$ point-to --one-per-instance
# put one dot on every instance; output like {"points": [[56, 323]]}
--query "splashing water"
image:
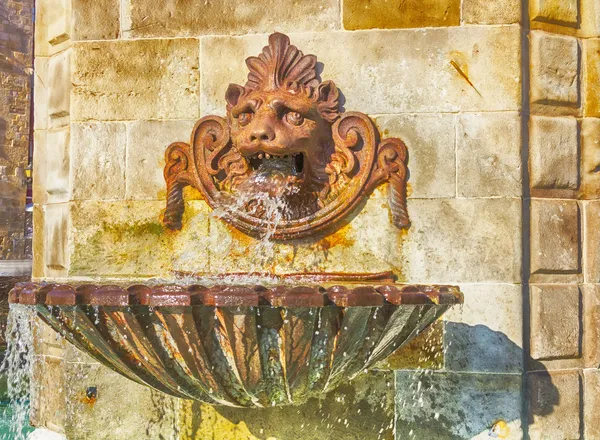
{"points": [[265, 196], [18, 367]]}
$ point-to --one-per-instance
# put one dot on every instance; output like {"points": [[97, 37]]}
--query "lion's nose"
{"points": [[262, 134]]}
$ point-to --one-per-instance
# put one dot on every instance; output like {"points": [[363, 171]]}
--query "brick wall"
{"points": [[16, 37]]}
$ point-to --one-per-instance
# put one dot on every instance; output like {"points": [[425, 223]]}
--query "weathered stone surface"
{"points": [[590, 158], [488, 155], [98, 150], [554, 69], [463, 240], [425, 351], [57, 160], [591, 49], [457, 405], [127, 239], [46, 342], [555, 321], [496, 12], [554, 153], [486, 333], [149, 415], [59, 80], [554, 405], [376, 77], [361, 409], [563, 12], [382, 14], [38, 186], [590, 18], [368, 243], [97, 20], [56, 233], [48, 409], [146, 145], [591, 402], [592, 241], [141, 18], [38, 267], [40, 91], [431, 144], [591, 324], [143, 79], [52, 26], [555, 236]]}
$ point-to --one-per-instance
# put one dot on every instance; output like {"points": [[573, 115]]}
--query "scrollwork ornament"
{"points": [[285, 139]]}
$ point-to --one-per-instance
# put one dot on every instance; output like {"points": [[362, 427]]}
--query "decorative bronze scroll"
{"points": [[285, 139]]}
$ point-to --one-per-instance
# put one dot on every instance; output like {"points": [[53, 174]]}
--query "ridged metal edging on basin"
{"points": [[248, 346]]}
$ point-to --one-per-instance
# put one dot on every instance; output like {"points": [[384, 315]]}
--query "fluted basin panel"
{"points": [[244, 346]]}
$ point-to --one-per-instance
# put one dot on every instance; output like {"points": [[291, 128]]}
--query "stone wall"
{"points": [[117, 81], [16, 37]]}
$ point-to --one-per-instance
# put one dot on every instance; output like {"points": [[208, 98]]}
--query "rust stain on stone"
{"points": [[463, 73]]}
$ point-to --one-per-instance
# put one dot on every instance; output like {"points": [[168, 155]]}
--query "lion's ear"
{"points": [[233, 94], [328, 100]]}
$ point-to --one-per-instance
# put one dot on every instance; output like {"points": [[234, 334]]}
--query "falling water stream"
{"points": [[17, 366]]}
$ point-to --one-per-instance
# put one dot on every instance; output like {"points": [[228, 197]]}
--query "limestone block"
{"points": [[393, 71], [48, 408], [486, 333], [554, 153], [52, 27], [143, 79], [382, 14], [146, 145], [98, 156], [463, 240], [554, 69], [496, 12], [590, 158], [431, 144], [590, 18], [452, 405], [122, 410], [555, 321], [40, 93], [592, 242], [554, 405], [360, 409], [591, 324], [97, 20], [591, 402], [56, 233], [141, 18], [57, 165], [591, 50], [38, 186], [555, 236], [562, 12], [127, 239], [59, 86], [38, 243], [488, 155], [47, 342]]}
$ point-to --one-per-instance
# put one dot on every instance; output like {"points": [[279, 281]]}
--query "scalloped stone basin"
{"points": [[243, 346]]}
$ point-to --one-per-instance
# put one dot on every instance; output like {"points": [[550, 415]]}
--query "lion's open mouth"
{"points": [[292, 163]]}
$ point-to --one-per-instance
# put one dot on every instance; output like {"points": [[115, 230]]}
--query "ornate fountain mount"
{"points": [[285, 139]]}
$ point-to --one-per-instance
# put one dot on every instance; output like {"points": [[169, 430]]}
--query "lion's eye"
{"points": [[244, 118], [294, 118]]}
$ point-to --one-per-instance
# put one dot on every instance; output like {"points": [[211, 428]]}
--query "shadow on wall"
{"points": [[461, 404], [452, 404]]}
